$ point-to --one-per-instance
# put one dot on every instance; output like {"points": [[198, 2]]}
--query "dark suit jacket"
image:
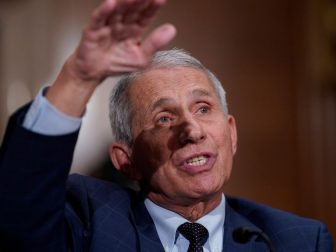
{"points": [[42, 210]]}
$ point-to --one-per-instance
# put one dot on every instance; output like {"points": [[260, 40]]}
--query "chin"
{"points": [[206, 193]]}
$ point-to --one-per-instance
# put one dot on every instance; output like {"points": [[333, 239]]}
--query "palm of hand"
{"points": [[111, 44]]}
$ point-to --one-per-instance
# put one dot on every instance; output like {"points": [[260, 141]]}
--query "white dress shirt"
{"points": [[167, 222], [44, 118]]}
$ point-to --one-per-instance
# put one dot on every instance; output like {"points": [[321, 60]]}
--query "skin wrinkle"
{"points": [[160, 150], [165, 101], [180, 59]]}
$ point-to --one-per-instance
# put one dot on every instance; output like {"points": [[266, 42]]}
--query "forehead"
{"points": [[175, 82]]}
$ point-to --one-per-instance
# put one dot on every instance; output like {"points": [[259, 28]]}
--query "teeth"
{"points": [[200, 160]]}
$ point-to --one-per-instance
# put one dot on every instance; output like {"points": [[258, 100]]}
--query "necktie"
{"points": [[196, 234]]}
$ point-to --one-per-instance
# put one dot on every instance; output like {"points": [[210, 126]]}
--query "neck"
{"points": [[190, 209]]}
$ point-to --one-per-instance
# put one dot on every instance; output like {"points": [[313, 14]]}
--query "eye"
{"points": [[204, 109], [164, 119]]}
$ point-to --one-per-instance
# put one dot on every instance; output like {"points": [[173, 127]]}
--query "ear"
{"points": [[233, 133], [120, 155]]}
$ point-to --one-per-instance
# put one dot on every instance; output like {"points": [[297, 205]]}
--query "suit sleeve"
{"points": [[325, 243], [33, 173]]}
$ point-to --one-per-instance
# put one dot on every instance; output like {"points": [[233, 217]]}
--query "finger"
{"points": [[158, 39], [132, 14], [124, 21], [120, 11], [101, 14], [97, 35], [148, 13]]}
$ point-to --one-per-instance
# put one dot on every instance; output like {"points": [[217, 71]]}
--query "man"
{"points": [[173, 135]]}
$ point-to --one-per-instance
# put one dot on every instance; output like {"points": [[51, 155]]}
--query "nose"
{"points": [[191, 131]]}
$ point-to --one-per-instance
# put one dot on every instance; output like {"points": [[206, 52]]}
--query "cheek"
{"points": [[224, 166], [150, 152], [221, 136], [223, 143], [163, 180]]}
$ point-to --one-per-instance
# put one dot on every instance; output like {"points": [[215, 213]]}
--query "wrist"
{"points": [[70, 93]]}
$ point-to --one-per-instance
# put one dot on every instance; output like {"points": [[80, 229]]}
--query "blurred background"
{"points": [[276, 60]]}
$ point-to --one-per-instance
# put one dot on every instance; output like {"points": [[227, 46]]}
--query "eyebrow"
{"points": [[200, 93], [161, 102], [169, 101]]}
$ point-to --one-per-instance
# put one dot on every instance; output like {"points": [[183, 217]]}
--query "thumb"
{"points": [[158, 39]]}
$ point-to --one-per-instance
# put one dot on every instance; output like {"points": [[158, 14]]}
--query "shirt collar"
{"points": [[167, 222]]}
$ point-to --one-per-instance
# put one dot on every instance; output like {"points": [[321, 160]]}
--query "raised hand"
{"points": [[112, 43]]}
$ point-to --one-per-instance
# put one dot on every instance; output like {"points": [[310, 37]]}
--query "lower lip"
{"points": [[194, 169]]}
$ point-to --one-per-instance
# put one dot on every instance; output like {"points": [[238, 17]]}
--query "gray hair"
{"points": [[120, 105]]}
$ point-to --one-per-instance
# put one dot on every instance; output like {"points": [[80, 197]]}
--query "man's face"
{"points": [[183, 142]]}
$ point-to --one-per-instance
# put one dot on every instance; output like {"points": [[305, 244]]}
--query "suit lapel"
{"points": [[150, 241], [234, 220], [148, 237]]}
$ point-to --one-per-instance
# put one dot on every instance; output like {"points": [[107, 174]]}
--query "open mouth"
{"points": [[197, 161]]}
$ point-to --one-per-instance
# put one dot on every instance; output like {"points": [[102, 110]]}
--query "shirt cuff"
{"points": [[44, 118]]}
